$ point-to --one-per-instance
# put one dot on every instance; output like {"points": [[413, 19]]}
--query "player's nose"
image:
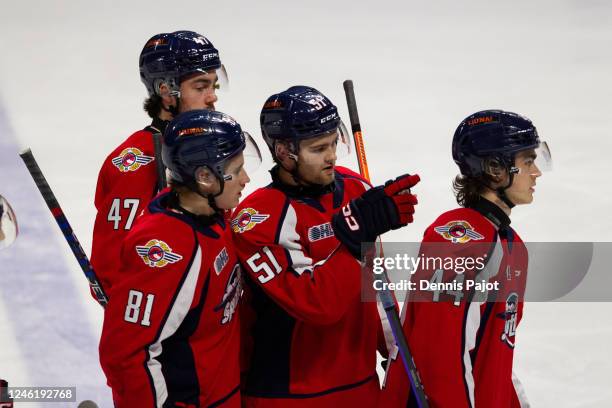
{"points": [[211, 99], [246, 178], [332, 156]]}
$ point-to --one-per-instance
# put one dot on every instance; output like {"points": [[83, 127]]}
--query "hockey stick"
{"points": [[161, 169], [386, 297], [60, 218], [5, 401]]}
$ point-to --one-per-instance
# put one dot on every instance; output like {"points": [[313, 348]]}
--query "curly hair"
{"points": [[467, 190], [153, 106]]}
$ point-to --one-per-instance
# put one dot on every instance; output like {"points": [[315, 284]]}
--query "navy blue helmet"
{"points": [[171, 57], [204, 138], [299, 113], [492, 135]]}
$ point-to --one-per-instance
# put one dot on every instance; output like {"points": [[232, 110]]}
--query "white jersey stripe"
{"points": [[177, 314], [472, 323], [520, 392], [290, 240], [471, 329]]}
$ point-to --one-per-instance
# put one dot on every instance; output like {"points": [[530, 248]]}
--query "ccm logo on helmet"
{"points": [[350, 220], [210, 56], [329, 117]]}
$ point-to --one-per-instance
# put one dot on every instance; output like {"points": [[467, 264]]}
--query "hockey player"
{"points": [[8, 224], [462, 334], [181, 71], [309, 340], [171, 335]]}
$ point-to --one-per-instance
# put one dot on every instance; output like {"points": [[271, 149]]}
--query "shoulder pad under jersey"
{"points": [[351, 175], [259, 210], [460, 226]]}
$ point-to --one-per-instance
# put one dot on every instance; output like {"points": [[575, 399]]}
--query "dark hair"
{"points": [[153, 106], [467, 190]]}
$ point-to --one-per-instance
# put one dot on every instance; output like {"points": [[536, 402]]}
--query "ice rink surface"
{"points": [[70, 90]]}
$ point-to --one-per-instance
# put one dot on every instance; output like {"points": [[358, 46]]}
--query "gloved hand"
{"points": [[376, 211]]}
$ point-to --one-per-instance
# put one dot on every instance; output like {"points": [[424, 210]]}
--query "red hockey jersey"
{"points": [[310, 340], [462, 339], [126, 183], [170, 336]]}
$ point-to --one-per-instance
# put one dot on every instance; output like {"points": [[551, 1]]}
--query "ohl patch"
{"points": [[157, 254], [131, 159], [247, 219], [319, 232], [458, 232], [221, 260]]}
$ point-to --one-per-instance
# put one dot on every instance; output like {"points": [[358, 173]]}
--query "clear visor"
{"points": [[544, 158], [252, 158], [343, 148], [219, 83], [222, 84], [534, 161], [8, 224]]}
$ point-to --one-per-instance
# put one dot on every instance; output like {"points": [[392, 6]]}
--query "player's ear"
{"points": [[205, 178], [284, 154], [495, 170], [164, 93]]}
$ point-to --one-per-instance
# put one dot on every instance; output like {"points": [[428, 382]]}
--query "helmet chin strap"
{"points": [[296, 175], [501, 191], [295, 172], [173, 110], [300, 181], [209, 197]]}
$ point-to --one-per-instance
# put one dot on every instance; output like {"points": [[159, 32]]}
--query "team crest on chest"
{"points": [[319, 232], [131, 159], [458, 232], [157, 254], [247, 219]]}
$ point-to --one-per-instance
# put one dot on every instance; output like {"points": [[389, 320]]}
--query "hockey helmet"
{"points": [[172, 57], [206, 138], [495, 136], [300, 113]]}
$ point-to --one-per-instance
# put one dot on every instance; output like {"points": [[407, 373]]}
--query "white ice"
{"points": [[70, 88]]}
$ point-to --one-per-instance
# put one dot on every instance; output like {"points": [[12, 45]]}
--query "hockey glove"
{"points": [[375, 212]]}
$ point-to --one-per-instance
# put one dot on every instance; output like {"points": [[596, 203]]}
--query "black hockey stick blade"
{"points": [[362, 161], [62, 222], [386, 297]]}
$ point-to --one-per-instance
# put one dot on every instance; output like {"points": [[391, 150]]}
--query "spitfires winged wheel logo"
{"points": [[157, 254], [247, 219], [131, 159], [458, 232]]}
